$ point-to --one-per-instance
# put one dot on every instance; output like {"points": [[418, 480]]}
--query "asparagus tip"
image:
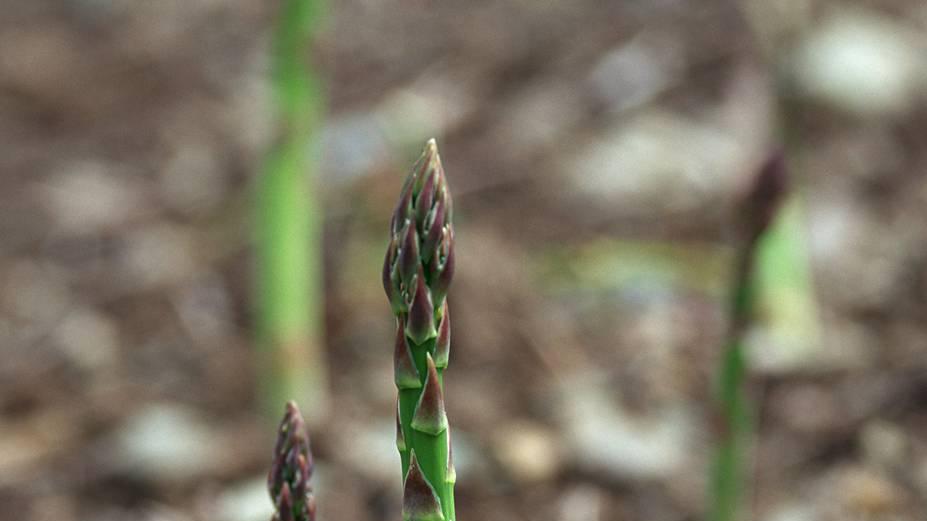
{"points": [[288, 479], [764, 195]]}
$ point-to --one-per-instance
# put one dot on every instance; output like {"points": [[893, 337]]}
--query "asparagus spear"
{"points": [[417, 271], [756, 210], [288, 480]]}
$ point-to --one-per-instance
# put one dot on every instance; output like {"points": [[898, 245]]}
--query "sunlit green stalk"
{"points": [[289, 222]]}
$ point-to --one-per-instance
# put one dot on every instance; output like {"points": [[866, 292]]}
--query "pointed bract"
{"points": [[434, 227], [403, 210], [420, 323], [409, 258], [426, 165], [429, 416], [444, 195], [406, 375], [419, 500], [443, 342], [443, 270], [425, 199], [400, 438], [387, 274], [285, 504]]}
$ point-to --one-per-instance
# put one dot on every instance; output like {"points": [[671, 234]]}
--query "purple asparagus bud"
{"points": [[421, 239], [288, 479], [758, 204]]}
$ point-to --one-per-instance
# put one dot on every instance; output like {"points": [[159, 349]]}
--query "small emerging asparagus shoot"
{"points": [[288, 479], [417, 271], [756, 210]]}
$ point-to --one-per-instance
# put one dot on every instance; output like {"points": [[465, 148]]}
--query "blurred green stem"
{"points": [[728, 474], [289, 253], [779, 250]]}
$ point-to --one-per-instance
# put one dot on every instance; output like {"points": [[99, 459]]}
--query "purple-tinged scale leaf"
{"points": [[285, 504], [409, 259], [401, 299], [405, 374], [419, 500], [429, 416], [443, 342], [403, 211], [434, 227], [420, 323], [425, 200], [444, 195], [442, 270], [388, 268], [301, 480], [400, 438], [428, 162]]}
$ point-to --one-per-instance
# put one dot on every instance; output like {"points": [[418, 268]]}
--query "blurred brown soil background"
{"points": [[572, 132]]}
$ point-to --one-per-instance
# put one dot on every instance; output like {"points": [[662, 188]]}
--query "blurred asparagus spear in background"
{"points": [[288, 480], [417, 271], [289, 247], [755, 212]]}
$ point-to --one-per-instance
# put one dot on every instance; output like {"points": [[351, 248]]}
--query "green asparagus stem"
{"points": [[417, 271], [756, 211], [288, 479], [289, 225]]}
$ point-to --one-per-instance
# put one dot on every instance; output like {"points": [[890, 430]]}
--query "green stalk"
{"points": [[289, 225], [417, 271], [728, 473]]}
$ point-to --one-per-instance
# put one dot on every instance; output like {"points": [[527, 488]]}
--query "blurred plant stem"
{"points": [[757, 210], [289, 247], [728, 474], [772, 273]]}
